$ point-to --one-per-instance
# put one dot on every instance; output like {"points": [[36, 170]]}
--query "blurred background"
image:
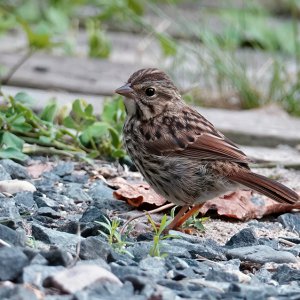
{"points": [[230, 54]]}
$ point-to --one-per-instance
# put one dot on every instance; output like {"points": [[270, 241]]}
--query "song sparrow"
{"points": [[181, 154]]}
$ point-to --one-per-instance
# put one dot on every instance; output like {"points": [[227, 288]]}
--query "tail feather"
{"points": [[267, 187]]}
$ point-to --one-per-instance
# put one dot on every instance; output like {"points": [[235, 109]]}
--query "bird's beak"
{"points": [[124, 90]]}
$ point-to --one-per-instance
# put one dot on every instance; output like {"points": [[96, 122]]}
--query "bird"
{"points": [[182, 156]]}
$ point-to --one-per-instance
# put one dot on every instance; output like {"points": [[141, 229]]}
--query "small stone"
{"points": [[48, 212], [263, 275], [181, 274], [43, 201], [89, 222], [63, 169], [250, 292], [123, 271], [100, 262], [56, 238], [122, 259], [102, 196], [93, 248], [173, 262], [11, 236], [8, 211], [12, 262], [284, 274], [39, 259], [15, 170], [261, 254], [79, 277], [18, 292], [173, 250], [16, 186], [207, 248], [218, 275], [154, 266], [35, 274], [3, 174], [25, 202], [76, 193], [70, 227], [108, 291], [245, 237], [290, 221], [76, 178], [140, 250], [58, 257]]}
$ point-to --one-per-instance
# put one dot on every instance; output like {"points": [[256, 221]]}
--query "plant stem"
{"points": [[12, 71], [33, 149]]}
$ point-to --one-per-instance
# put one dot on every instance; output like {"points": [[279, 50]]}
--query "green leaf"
{"points": [[99, 45], [45, 139], [78, 108], [24, 98], [118, 153], [10, 140], [70, 123], [163, 224], [115, 137], [49, 112], [39, 37], [12, 153], [89, 110], [136, 5], [96, 130], [58, 19], [21, 127]]}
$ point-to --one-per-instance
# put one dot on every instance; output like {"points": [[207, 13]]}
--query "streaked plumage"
{"points": [[181, 154]]}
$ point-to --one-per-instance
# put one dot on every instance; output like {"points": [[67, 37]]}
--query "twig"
{"points": [[156, 210], [4, 243], [286, 242], [12, 71]]}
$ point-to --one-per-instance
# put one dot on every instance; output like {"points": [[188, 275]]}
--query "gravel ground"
{"points": [[50, 246]]}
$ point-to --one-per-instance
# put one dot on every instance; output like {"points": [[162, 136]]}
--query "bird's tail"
{"points": [[266, 186]]}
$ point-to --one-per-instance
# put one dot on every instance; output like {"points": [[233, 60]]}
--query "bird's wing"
{"points": [[192, 136]]}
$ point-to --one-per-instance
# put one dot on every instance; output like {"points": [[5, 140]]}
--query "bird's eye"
{"points": [[150, 92]]}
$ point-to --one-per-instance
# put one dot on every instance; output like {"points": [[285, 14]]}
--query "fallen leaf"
{"points": [[242, 205], [135, 194], [36, 170]]}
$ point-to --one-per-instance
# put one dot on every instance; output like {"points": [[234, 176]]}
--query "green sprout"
{"points": [[159, 236], [113, 236]]}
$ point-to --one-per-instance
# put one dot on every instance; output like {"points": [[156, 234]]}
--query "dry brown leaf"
{"points": [[135, 194], [36, 170], [241, 205]]}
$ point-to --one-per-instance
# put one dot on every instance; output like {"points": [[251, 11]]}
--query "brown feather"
{"points": [[266, 186], [207, 143]]}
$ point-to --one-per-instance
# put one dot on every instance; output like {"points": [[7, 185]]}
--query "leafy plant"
{"points": [[194, 222], [81, 133], [31, 242], [114, 237], [159, 236]]}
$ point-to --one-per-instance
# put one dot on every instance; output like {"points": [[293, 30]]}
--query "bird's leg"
{"points": [[177, 218], [192, 211]]}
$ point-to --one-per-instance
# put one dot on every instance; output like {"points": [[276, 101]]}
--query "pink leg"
{"points": [[177, 218], [192, 211]]}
